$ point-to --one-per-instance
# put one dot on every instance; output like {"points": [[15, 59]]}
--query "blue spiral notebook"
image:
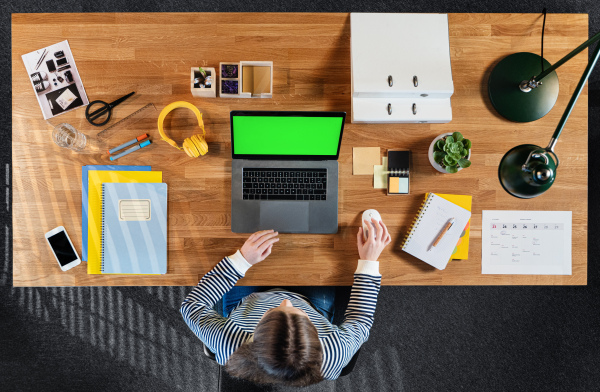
{"points": [[84, 197], [134, 228]]}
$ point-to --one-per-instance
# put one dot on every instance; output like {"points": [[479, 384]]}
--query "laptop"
{"points": [[284, 173]]}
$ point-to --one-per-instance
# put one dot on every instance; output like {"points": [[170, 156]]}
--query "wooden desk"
{"points": [[152, 55]]}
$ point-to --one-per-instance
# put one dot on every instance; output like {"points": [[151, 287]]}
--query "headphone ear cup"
{"points": [[195, 146]]}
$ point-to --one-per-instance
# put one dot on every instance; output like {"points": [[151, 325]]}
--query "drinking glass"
{"points": [[65, 135]]}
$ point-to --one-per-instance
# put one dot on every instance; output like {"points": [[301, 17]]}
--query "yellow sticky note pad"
{"points": [[380, 175], [363, 160], [393, 184]]}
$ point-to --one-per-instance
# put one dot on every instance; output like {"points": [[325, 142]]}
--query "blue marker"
{"points": [[127, 144], [130, 150]]}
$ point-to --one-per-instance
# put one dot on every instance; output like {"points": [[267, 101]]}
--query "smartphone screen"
{"points": [[62, 248], [60, 62], [50, 64]]}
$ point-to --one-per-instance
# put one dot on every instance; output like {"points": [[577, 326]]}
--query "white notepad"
{"points": [[434, 214]]}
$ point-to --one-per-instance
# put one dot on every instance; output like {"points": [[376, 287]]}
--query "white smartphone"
{"points": [[63, 248]]}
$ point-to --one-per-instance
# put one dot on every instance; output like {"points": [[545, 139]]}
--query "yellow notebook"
{"points": [[462, 248], [433, 216], [96, 178]]}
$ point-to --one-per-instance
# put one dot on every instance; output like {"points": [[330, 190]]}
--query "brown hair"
{"points": [[286, 350]]}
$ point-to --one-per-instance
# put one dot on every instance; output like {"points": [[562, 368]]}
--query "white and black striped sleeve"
{"points": [[363, 300], [197, 310], [358, 319]]}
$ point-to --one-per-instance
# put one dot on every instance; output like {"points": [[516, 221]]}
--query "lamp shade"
{"points": [[513, 103], [527, 171]]}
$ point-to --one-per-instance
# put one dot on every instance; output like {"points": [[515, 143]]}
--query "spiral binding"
{"points": [[417, 219], [398, 172], [103, 234]]}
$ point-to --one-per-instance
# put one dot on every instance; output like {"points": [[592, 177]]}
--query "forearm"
{"points": [[196, 309], [363, 300], [218, 281]]}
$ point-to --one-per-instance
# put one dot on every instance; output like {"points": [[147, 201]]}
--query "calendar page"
{"points": [[526, 242]]}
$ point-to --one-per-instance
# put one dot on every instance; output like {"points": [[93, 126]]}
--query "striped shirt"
{"points": [[224, 335]]}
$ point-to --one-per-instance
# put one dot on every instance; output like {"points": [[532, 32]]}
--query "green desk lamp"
{"points": [[515, 85], [527, 171]]}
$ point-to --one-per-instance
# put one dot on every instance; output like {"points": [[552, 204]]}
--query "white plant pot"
{"points": [[436, 165]]}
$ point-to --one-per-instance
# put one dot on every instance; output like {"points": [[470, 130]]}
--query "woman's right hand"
{"points": [[378, 239], [258, 246]]}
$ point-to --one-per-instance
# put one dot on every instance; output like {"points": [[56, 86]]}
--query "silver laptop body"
{"points": [[299, 192]]}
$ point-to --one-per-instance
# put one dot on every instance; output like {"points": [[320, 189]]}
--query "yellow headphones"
{"points": [[193, 146]]}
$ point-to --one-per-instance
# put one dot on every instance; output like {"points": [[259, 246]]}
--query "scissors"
{"points": [[104, 109]]}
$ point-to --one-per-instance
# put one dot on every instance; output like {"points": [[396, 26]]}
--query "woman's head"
{"points": [[286, 349]]}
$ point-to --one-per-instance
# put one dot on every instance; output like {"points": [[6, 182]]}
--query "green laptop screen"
{"points": [[282, 135]]}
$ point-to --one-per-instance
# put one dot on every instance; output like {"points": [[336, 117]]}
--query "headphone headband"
{"points": [[194, 146]]}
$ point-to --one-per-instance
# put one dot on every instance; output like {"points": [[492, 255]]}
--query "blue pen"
{"points": [[127, 144], [130, 150]]}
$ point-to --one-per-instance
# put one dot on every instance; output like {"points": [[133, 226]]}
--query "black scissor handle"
{"points": [[91, 117]]}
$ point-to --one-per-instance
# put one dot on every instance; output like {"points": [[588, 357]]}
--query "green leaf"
{"points": [[451, 169], [457, 136], [449, 139], [438, 156], [456, 148], [464, 163], [464, 152], [467, 144], [449, 160], [439, 145]]}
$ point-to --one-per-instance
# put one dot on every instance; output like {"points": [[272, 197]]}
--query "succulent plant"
{"points": [[451, 152]]}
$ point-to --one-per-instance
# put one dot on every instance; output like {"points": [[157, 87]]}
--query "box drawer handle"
{"points": [[390, 81], [415, 81], [414, 108], [390, 109]]}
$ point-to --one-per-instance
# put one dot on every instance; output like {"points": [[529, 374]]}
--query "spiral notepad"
{"points": [[134, 228], [434, 214], [398, 172]]}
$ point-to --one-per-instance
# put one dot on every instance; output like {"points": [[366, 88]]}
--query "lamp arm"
{"points": [[578, 89], [568, 57]]}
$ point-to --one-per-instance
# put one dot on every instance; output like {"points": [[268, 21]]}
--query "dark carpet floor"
{"points": [[424, 338]]}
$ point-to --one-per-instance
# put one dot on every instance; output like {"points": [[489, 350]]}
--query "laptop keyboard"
{"points": [[285, 184]]}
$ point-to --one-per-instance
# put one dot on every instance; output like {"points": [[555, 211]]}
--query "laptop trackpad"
{"points": [[285, 216]]}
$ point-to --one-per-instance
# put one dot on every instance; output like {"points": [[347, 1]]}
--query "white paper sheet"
{"points": [[526, 242]]}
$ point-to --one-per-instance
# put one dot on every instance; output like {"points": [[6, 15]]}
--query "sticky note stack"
{"points": [[398, 164]]}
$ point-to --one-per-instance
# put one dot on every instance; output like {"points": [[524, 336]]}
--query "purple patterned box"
{"points": [[229, 71], [229, 86]]}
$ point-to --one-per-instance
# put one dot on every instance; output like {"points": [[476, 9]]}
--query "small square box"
{"points": [[209, 82], [246, 79]]}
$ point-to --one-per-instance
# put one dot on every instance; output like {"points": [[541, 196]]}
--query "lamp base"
{"points": [[515, 180], [509, 100]]}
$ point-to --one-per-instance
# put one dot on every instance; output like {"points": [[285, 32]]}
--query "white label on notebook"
{"points": [[134, 209]]}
